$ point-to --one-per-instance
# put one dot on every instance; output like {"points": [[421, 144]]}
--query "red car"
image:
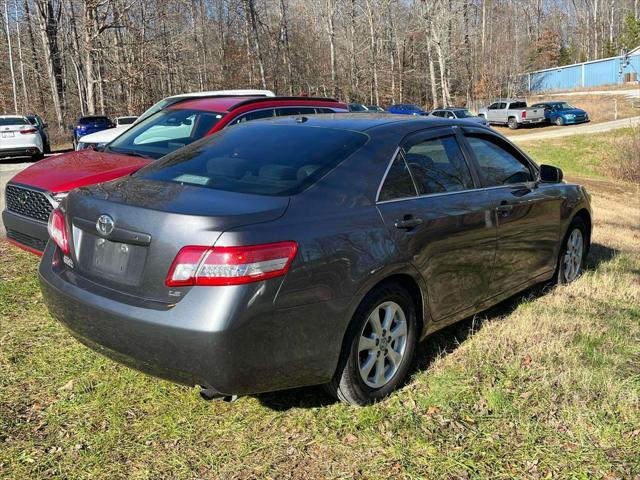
{"points": [[32, 194]]}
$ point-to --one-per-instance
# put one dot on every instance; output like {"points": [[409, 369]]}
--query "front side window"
{"points": [[494, 106], [438, 166], [398, 183], [164, 132], [259, 158], [497, 165]]}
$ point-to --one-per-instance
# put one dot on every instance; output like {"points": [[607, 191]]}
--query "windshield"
{"points": [[258, 158], [463, 114], [164, 132], [562, 106], [12, 121]]}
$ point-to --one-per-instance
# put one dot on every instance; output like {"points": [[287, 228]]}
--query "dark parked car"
{"points": [[407, 109], [307, 250], [41, 125], [375, 108], [561, 113], [90, 124]]}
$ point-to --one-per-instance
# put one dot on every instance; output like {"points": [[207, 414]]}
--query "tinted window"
{"points": [[494, 106], [398, 183], [259, 158], [92, 120], [257, 115], [518, 105], [497, 165], [438, 166], [324, 110], [164, 132], [284, 111], [437, 113]]}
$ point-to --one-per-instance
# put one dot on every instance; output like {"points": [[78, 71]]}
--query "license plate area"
{"points": [[111, 258], [109, 262], [8, 134]]}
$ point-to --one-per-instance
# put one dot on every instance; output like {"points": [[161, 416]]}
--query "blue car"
{"points": [[407, 109], [561, 113], [90, 124]]}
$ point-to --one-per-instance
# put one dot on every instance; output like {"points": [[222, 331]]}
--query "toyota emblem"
{"points": [[104, 225], [23, 198]]}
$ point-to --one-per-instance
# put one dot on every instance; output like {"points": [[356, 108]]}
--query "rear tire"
{"points": [[512, 123], [378, 348], [573, 250]]}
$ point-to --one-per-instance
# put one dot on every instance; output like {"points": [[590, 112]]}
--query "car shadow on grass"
{"points": [[438, 344]]}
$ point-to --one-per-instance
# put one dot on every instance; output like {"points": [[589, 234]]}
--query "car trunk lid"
{"points": [[125, 234]]}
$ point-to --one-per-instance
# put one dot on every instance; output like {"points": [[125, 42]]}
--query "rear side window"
{"points": [[497, 165], [438, 166], [284, 111], [324, 110], [518, 105], [398, 183], [258, 158], [257, 115]]}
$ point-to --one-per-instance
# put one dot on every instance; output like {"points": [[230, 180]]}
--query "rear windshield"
{"points": [[6, 121], [518, 105], [258, 158], [86, 120]]}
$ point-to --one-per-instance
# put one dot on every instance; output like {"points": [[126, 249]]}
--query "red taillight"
{"points": [[230, 265], [58, 230], [28, 130], [524, 114]]}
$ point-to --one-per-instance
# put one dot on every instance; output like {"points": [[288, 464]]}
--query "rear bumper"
{"points": [[26, 151], [231, 339], [25, 232], [533, 121]]}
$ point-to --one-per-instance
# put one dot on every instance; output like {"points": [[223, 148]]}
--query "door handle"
{"points": [[408, 223]]}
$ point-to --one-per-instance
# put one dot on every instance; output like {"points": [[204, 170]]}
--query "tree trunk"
{"points": [[13, 76], [48, 22]]}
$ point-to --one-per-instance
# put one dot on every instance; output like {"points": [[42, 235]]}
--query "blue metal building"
{"points": [[606, 71]]}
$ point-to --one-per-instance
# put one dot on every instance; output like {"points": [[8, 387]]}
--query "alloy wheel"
{"points": [[572, 260], [382, 344]]}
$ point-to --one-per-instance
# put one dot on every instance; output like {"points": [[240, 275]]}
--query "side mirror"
{"points": [[550, 174], [45, 125]]}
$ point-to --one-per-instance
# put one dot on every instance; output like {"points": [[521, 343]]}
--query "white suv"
{"points": [[19, 138]]}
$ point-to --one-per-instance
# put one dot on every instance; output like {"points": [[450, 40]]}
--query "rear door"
{"points": [[440, 221], [527, 215]]}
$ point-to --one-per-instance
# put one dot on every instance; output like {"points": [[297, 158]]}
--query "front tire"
{"points": [[512, 123], [573, 252], [378, 347], [559, 121]]}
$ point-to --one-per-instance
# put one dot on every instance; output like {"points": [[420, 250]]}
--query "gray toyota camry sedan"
{"points": [[308, 250]]}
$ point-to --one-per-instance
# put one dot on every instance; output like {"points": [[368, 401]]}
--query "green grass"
{"points": [[583, 155], [546, 385]]}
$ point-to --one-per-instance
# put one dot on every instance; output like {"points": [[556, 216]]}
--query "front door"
{"points": [[527, 214], [440, 221]]}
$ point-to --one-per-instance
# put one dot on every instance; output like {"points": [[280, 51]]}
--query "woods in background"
{"points": [[64, 58]]}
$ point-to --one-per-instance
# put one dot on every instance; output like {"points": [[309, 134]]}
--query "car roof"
{"points": [[362, 122], [227, 104]]}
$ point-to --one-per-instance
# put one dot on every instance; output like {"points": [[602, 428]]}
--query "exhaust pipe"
{"points": [[210, 394]]}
